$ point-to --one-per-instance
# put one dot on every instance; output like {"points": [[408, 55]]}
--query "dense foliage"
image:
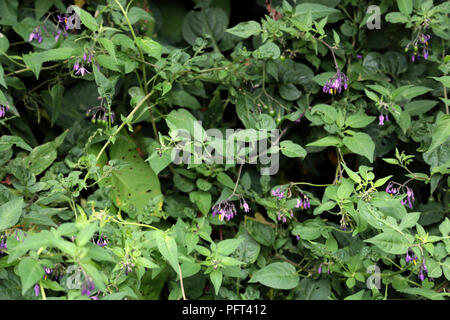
{"points": [[93, 99]]}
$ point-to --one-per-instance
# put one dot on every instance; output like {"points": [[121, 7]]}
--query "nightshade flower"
{"points": [[423, 271], [87, 290], [225, 210], [278, 193], [319, 271], [303, 202], [102, 241], [381, 120], [420, 41], [3, 245], [36, 34], [82, 70], [358, 56], [401, 189], [36, 290], [3, 110], [410, 256], [245, 206], [336, 83]]}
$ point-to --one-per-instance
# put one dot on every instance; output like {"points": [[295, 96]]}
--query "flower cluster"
{"points": [[87, 288], [393, 190], [278, 193], [225, 209], [80, 63], [127, 266], [102, 241], [423, 271], [36, 34], [382, 118], [99, 114], [410, 256], [421, 40], [3, 244], [303, 202], [336, 83]]}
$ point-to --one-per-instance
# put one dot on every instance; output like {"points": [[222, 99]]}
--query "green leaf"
{"points": [[324, 207], [371, 95], [86, 18], [41, 157], [209, 21], [360, 143], [135, 185], [345, 189], [262, 233], [310, 229], [225, 179], [425, 292], [289, 92], [396, 17], [292, 150], [317, 11], [202, 199], [418, 107], [150, 47], [391, 242], [441, 132], [10, 213], [277, 275], [96, 276], [86, 233], [56, 93], [216, 279], [326, 142], [168, 248], [35, 60], [409, 92], [268, 50], [30, 272], [226, 247], [135, 14], [183, 99], [6, 142], [405, 6], [445, 80], [359, 120], [245, 29]]}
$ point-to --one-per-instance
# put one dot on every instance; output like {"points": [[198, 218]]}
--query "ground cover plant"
{"points": [[216, 149]]}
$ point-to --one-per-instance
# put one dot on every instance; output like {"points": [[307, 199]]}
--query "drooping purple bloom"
{"points": [[36, 34], [245, 206], [297, 237], [87, 288], [3, 110], [413, 57], [358, 56], [225, 210], [319, 270], [36, 290], [425, 53], [336, 83], [3, 245], [48, 270], [381, 120], [278, 193], [82, 70]]}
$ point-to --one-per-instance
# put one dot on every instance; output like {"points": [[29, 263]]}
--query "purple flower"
{"points": [[48, 270], [245, 206], [303, 203], [82, 70], [358, 56], [3, 244], [381, 120], [336, 83], [94, 298], [297, 237], [36, 34], [425, 53], [409, 197], [87, 290], [328, 270], [413, 57], [36, 290], [299, 203], [319, 271], [225, 210], [421, 276], [3, 110], [278, 193], [76, 66], [84, 56]]}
